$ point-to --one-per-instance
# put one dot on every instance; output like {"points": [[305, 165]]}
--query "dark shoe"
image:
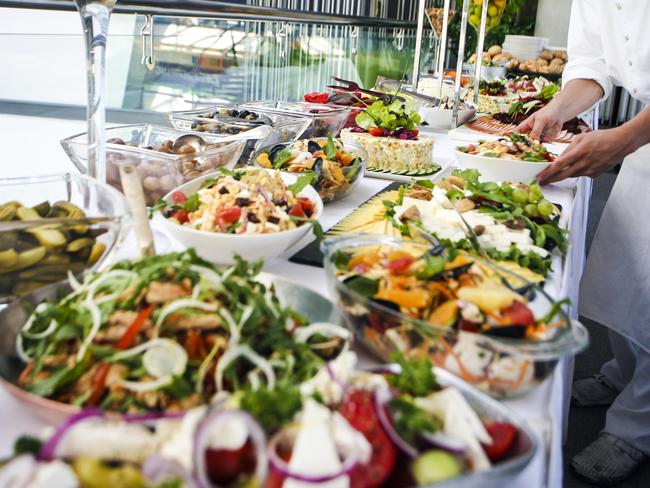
{"points": [[592, 392], [607, 461]]}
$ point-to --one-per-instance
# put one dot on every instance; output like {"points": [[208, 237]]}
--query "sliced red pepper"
{"points": [[228, 215], [297, 211], [400, 265], [129, 336], [194, 345], [181, 215], [99, 383], [376, 131], [179, 198]]}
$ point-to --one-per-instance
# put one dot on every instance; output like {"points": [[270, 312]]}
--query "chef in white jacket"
{"points": [[609, 44]]}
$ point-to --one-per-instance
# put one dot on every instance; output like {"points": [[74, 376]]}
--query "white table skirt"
{"points": [[545, 407]]}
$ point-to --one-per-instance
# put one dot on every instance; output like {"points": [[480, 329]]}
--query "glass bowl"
{"points": [[495, 12], [323, 119], [332, 182], [499, 365], [160, 172], [52, 225], [227, 120]]}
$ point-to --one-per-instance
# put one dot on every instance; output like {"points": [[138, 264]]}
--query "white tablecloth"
{"points": [[544, 408]]}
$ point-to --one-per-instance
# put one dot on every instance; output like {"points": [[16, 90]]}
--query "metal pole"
{"points": [[443, 46], [415, 77], [459, 64], [479, 51]]}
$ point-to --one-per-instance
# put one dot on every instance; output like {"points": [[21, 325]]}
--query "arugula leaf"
{"points": [[159, 205], [316, 228], [301, 183], [434, 265], [57, 380], [330, 148], [272, 408], [341, 260], [192, 203], [362, 285], [179, 387], [282, 157], [425, 183], [555, 308], [390, 116], [470, 175], [416, 378]]}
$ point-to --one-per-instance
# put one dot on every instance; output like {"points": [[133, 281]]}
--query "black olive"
{"points": [[243, 114], [273, 219], [280, 203], [313, 146], [253, 218], [242, 202], [216, 130], [234, 113], [223, 190]]}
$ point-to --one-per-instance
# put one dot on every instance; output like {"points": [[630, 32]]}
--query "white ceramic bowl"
{"points": [[440, 118], [220, 248], [497, 169]]}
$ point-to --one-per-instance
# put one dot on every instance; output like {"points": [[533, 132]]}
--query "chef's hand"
{"points": [[544, 125], [590, 154]]}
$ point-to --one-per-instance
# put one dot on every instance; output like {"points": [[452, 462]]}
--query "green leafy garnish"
{"points": [[411, 421], [27, 445], [416, 378], [330, 148], [362, 285], [282, 157], [393, 116], [56, 380], [301, 183], [272, 408], [433, 265]]}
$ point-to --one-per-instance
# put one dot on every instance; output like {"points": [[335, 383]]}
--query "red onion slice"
{"points": [[202, 438], [157, 469], [349, 463], [48, 451], [382, 397], [444, 442]]}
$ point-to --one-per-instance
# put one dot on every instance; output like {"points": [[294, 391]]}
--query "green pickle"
{"points": [[43, 253]]}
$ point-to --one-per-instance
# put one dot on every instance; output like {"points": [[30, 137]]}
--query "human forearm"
{"points": [[576, 97], [636, 132]]}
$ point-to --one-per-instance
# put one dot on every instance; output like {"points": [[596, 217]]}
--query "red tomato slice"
{"points": [[225, 466], [358, 408], [503, 438], [297, 211], [376, 131], [317, 97], [179, 198], [519, 314], [307, 204], [228, 215], [181, 215], [400, 265], [415, 131]]}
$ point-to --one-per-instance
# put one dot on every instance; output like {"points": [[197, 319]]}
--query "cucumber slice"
{"points": [[435, 466]]}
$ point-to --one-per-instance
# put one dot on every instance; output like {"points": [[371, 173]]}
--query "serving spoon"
{"points": [[200, 145]]}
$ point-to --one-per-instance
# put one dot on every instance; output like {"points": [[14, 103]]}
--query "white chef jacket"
{"points": [[609, 42]]}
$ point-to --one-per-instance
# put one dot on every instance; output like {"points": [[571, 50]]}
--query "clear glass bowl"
{"points": [[501, 366], [212, 119], [329, 188], [495, 12], [324, 119], [160, 172], [39, 246]]}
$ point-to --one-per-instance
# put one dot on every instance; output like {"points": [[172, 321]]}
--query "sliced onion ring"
{"points": [[349, 463], [202, 438], [382, 397], [48, 450]]}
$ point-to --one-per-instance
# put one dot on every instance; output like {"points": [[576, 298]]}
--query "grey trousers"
{"points": [[629, 372]]}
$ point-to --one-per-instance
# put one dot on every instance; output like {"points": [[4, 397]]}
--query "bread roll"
{"points": [[494, 50], [546, 55]]}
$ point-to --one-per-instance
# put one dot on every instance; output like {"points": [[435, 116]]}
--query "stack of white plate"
{"points": [[524, 47]]}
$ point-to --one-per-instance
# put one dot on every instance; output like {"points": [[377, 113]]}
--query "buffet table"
{"points": [[545, 408]]}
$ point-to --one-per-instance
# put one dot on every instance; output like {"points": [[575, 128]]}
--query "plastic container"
{"points": [[323, 119], [501, 366], [40, 246], [331, 185], [160, 171]]}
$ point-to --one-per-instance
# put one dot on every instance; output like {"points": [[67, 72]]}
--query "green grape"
{"points": [[536, 190], [545, 208], [520, 196], [533, 198], [531, 210]]}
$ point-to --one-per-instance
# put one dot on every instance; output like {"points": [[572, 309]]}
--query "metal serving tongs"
{"points": [[426, 100], [351, 86]]}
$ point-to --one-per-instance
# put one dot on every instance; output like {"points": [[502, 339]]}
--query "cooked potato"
{"points": [[494, 50], [560, 54], [556, 62], [507, 55], [542, 62], [546, 55], [499, 58]]}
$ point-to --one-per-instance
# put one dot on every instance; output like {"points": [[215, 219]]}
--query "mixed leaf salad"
{"points": [[526, 106], [342, 428], [393, 119], [252, 201], [456, 309], [333, 165], [168, 333], [515, 146], [506, 221]]}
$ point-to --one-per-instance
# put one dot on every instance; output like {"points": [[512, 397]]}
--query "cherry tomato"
{"points": [[503, 438], [519, 314], [181, 215], [415, 132], [179, 198], [228, 215], [225, 466], [376, 131], [400, 265], [297, 211], [358, 408], [317, 97]]}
